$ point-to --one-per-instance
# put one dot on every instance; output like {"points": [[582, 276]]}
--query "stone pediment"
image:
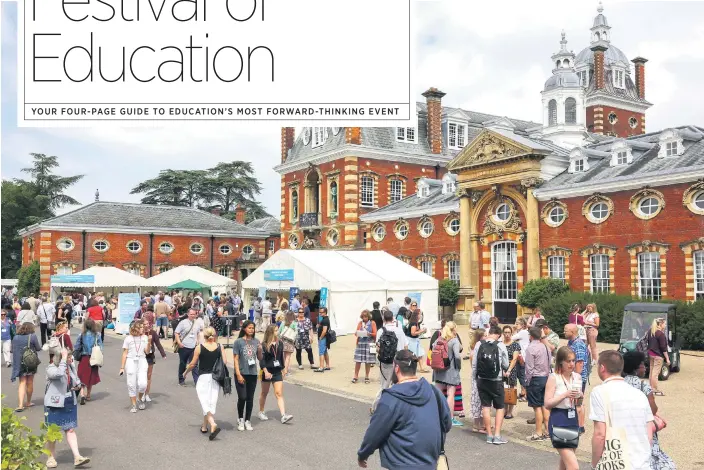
{"points": [[488, 147]]}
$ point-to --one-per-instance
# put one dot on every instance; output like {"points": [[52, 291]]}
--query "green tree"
{"points": [[21, 449], [22, 206], [448, 293], [49, 184], [175, 188], [29, 279], [234, 183], [537, 290]]}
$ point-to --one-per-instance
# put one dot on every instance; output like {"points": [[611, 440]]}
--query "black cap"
{"points": [[540, 323]]}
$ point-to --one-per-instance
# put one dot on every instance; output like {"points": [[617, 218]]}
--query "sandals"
{"points": [[367, 381], [204, 431], [19, 410], [355, 380], [658, 393], [535, 438], [214, 433], [508, 417]]}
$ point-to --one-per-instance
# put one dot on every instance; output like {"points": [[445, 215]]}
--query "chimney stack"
{"points": [[599, 49], [433, 98], [239, 214], [288, 137], [640, 75], [353, 135]]}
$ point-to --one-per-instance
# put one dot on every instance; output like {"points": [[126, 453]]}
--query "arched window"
{"points": [[558, 63], [571, 111], [294, 205], [333, 197], [552, 113], [566, 63], [597, 36]]}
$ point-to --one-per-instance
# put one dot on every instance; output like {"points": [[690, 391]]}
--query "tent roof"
{"points": [[105, 276], [349, 271], [189, 284], [185, 273]]}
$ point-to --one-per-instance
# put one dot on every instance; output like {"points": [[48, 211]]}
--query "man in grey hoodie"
{"points": [[410, 421]]}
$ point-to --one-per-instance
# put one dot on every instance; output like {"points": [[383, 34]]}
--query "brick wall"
{"points": [[674, 225], [598, 121]]}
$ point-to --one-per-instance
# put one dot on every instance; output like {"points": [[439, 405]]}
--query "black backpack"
{"points": [[488, 361], [388, 342], [331, 336]]}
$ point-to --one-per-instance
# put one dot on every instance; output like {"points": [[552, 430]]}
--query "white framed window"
{"points": [[135, 271], [453, 270], [570, 111], [426, 228], [366, 190], [64, 270], [633, 122], [166, 247], [456, 135], [196, 248], [698, 200], [556, 267], [453, 227], [293, 241], [622, 158], [378, 232], [649, 206], [163, 268], [649, 280], [599, 211], [319, 136], [406, 134], [396, 192], [225, 249], [671, 149], [579, 165], [424, 190], [503, 269], [613, 119], [599, 269], [101, 246], [618, 78], [133, 246], [65, 244], [583, 77], [552, 113], [556, 215], [272, 246], [248, 250], [699, 274], [503, 212], [225, 271], [427, 267], [401, 230]]}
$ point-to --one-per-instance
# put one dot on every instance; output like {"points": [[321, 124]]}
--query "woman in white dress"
{"points": [[205, 356], [134, 364]]}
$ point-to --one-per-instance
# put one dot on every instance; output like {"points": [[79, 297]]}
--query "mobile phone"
{"points": [[122, 372]]}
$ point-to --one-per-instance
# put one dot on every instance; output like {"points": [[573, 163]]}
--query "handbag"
{"points": [[96, 354], [565, 437], [510, 395], [289, 335], [78, 349]]}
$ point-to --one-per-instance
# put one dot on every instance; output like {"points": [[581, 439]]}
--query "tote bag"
{"points": [[96, 355], [616, 449]]}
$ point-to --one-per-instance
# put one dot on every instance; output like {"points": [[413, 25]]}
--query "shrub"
{"points": [[690, 324], [28, 280], [20, 448], [448, 293], [538, 290]]}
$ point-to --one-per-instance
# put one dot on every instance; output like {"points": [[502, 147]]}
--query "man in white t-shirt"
{"points": [[387, 370], [629, 410], [267, 313]]}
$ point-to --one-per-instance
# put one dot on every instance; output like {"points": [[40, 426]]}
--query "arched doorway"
{"points": [[312, 192], [504, 279]]}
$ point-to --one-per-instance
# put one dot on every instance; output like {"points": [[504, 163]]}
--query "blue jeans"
{"points": [[322, 347], [185, 355]]}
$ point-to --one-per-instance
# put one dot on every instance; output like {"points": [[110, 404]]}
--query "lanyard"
{"points": [[568, 388], [275, 347], [136, 348]]}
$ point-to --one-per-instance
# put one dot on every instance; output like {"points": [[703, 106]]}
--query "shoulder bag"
{"points": [[289, 334], [616, 438], [221, 374], [96, 354], [175, 345], [443, 463], [78, 349]]}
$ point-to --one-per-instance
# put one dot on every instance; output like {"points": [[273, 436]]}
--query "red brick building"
{"points": [[147, 240]]}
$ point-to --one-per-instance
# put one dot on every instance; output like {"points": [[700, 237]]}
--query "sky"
{"points": [[490, 57]]}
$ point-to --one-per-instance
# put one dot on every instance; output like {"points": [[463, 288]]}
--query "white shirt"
{"points": [[475, 320], [629, 410], [135, 346], [523, 338], [46, 312], [402, 340], [266, 306], [562, 385]]}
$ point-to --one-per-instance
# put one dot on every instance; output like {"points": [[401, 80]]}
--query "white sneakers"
{"points": [[133, 409], [263, 416], [51, 462], [147, 398], [240, 424], [248, 426], [141, 405], [286, 418]]}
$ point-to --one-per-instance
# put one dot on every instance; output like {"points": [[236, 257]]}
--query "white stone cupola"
{"points": [[564, 101], [601, 29]]}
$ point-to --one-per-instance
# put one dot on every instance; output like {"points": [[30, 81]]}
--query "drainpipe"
{"points": [[437, 170], [212, 252], [83, 250], [151, 253]]}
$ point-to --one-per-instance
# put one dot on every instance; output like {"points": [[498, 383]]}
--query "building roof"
{"points": [[645, 164], [630, 92], [145, 218], [269, 224], [415, 206]]}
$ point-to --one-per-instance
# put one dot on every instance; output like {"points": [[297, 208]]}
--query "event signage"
{"points": [[73, 279], [415, 297], [127, 306], [278, 274], [291, 294], [324, 297]]}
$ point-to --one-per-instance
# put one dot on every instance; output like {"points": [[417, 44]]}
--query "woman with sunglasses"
{"points": [[304, 328]]}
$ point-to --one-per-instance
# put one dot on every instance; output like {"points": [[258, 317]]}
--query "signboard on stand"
{"points": [[324, 297], [291, 294], [127, 305], [278, 274]]}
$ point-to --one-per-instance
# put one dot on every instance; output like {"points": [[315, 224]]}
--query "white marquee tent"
{"points": [[354, 279], [195, 273], [105, 276]]}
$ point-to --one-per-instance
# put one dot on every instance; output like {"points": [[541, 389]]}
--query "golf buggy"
{"points": [[637, 319]]}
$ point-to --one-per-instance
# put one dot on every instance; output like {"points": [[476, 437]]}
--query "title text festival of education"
{"points": [[194, 60]]}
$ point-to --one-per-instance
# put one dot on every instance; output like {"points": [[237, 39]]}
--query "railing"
{"points": [[309, 219]]}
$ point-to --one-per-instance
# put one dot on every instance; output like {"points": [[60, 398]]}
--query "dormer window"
{"points": [[456, 135], [579, 165], [621, 153], [583, 77], [319, 136], [618, 78], [670, 144], [670, 149], [423, 188], [621, 158], [448, 183], [406, 134]]}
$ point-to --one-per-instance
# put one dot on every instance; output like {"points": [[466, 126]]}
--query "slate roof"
{"points": [[629, 93], [413, 203], [270, 225], [147, 218], [645, 161]]}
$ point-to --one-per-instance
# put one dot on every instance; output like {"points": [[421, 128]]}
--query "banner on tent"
{"points": [[415, 296], [262, 292], [127, 305], [324, 297], [73, 279], [291, 294], [278, 274]]}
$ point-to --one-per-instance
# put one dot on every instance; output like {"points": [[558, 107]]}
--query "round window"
{"points": [[454, 226], [65, 244], [293, 241], [100, 245], [379, 233], [166, 248], [134, 246], [649, 206], [633, 122], [402, 231], [248, 249], [599, 211], [503, 212], [556, 215], [612, 118], [225, 249], [333, 237], [698, 200], [426, 228], [197, 248]]}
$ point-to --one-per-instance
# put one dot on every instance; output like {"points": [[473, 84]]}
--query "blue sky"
{"points": [[487, 56]]}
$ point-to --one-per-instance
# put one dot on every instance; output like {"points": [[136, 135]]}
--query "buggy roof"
{"points": [[649, 307]]}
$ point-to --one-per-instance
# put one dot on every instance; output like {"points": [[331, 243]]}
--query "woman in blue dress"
{"points": [[60, 404]]}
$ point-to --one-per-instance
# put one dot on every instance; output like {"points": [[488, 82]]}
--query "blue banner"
{"points": [[278, 274], [73, 278], [291, 294], [127, 306], [324, 297], [415, 296]]}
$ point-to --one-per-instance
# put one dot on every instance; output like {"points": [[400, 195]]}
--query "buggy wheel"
{"points": [[664, 372]]}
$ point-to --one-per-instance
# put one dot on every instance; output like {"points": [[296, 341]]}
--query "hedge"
{"points": [[690, 316], [538, 290]]}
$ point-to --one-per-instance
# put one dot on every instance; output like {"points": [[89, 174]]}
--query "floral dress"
{"points": [[513, 376], [303, 338]]}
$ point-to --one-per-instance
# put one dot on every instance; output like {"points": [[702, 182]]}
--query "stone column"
{"points": [[461, 317], [533, 235]]}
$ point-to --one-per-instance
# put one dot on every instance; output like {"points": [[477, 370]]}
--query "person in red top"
{"points": [[95, 311]]}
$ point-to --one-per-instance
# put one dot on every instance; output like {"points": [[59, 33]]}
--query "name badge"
{"points": [[4, 330], [251, 361], [570, 414], [277, 364]]}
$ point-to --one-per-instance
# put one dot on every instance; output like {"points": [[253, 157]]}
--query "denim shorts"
{"points": [[162, 321], [322, 346]]}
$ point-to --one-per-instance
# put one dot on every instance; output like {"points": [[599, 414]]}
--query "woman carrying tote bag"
{"points": [[288, 332]]}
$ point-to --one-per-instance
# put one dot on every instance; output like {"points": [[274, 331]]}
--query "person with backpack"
{"points": [[390, 339], [489, 361], [446, 362], [458, 409], [25, 361], [364, 352]]}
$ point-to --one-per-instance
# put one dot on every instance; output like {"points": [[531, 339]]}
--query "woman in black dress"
{"points": [[511, 375]]}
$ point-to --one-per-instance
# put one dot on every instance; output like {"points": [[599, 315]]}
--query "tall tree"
{"points": [[235, 183], [168, 188], [50, 184]]}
